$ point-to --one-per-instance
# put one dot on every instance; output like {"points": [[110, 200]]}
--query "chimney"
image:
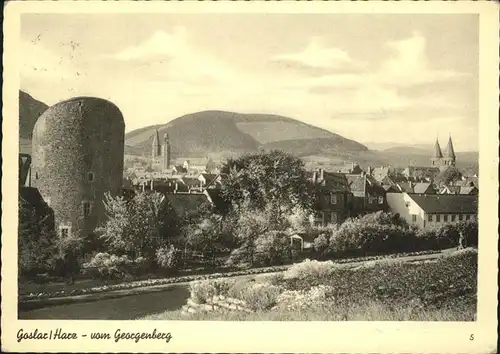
{"points": [[321, 174], [314, 177]]}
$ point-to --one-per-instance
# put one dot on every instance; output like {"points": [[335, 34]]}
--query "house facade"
{"points": [[368, 194], [332, 197], [424, 210]]}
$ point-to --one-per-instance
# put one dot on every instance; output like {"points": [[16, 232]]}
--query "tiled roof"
{"points": [[190, 181], [187, 203], [357, 184], [421, 187], [334, 182], [31, 196], [446, 203], [209, 177], [467, 190], [215, 196]]}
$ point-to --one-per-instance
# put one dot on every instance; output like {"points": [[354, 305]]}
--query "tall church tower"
{"points": [[438, 155], [166, 153], [156, 148], [449, 158]]}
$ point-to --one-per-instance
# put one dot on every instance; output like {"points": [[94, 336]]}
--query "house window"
{"points": [[460, 217], [414, 218], [381, 200], [319, 218], [453, 217], [445, 218], [36, 175], [333, 217], [438, 218], [90, 176], [64, 231], [333, 199], [429, 218], [86, 209], [467, 217]]}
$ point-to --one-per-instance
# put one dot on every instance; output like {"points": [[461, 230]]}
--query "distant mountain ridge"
{"points": [[29, 111], [217, 131], [221, 133]]}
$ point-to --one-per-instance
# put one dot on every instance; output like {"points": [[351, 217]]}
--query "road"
{"points": [[122, 308]]}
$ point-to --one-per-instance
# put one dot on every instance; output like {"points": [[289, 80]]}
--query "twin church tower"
{"points": [[161, 153], [443, 161]]}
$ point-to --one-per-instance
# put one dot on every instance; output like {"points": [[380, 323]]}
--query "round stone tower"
{"points": [[77, 156]]}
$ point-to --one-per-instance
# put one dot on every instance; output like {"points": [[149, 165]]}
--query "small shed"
{"points": [[301, 241]]}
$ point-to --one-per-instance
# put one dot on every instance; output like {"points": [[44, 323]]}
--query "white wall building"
{"points": [[423, 210]]}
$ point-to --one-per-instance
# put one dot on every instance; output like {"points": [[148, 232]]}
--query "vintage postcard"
{"points": [[273, 177]]}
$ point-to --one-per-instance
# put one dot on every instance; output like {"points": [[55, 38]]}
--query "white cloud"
{"points": [[409, 65], [318, 55], [171, 56], [160, 44]]}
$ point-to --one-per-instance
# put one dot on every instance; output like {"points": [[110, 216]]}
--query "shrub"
{"points": [[304, 299], [107, 265], [168, 257], [321, 243], [272, 247], [260, 296], [203, 290], [309, 269], [378, 233], [241, 257], [447, 235]]}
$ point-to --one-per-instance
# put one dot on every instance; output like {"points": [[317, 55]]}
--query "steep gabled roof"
{"points": [[450, 151], [357, 184], [437, 150], [446, 203], [421, 188], [468, 190], [185, 204], [333, 182]]}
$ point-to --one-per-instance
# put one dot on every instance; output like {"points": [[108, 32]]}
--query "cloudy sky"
{"points": [[372, 78]]}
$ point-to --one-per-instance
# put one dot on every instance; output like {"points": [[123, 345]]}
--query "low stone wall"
{"points": [[215, 303]]}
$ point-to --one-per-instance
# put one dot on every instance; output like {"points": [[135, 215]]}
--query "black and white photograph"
{"points": [[242, 166]]}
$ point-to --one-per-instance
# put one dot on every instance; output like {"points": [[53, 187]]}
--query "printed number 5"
{"points": [[471, 337]]}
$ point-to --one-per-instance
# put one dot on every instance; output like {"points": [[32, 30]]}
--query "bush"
{"points": [[271, 248], [241, 257], [321, 243], [447, 235], [304, 299], [309, 269], [110, 266], [168, 257], [203, 290], [260, 296]]}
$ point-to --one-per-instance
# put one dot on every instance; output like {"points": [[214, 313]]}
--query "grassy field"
{"points": [[391, 290]]}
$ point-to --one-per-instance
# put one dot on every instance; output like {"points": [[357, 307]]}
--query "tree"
{"points": [[448, 176], [136, 227], [274, 180], [37, 247]]}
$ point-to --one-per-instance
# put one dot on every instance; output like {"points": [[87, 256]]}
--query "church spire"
{"points": [[156, 144], [437, 150], [450, 152]]}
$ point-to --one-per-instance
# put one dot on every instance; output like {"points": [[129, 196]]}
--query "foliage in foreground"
{"points": [[439, 290], [367, 311]]}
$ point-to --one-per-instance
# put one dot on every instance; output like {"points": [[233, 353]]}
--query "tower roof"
{"points": [[450, 152], [156, 138], [437, 150]]}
